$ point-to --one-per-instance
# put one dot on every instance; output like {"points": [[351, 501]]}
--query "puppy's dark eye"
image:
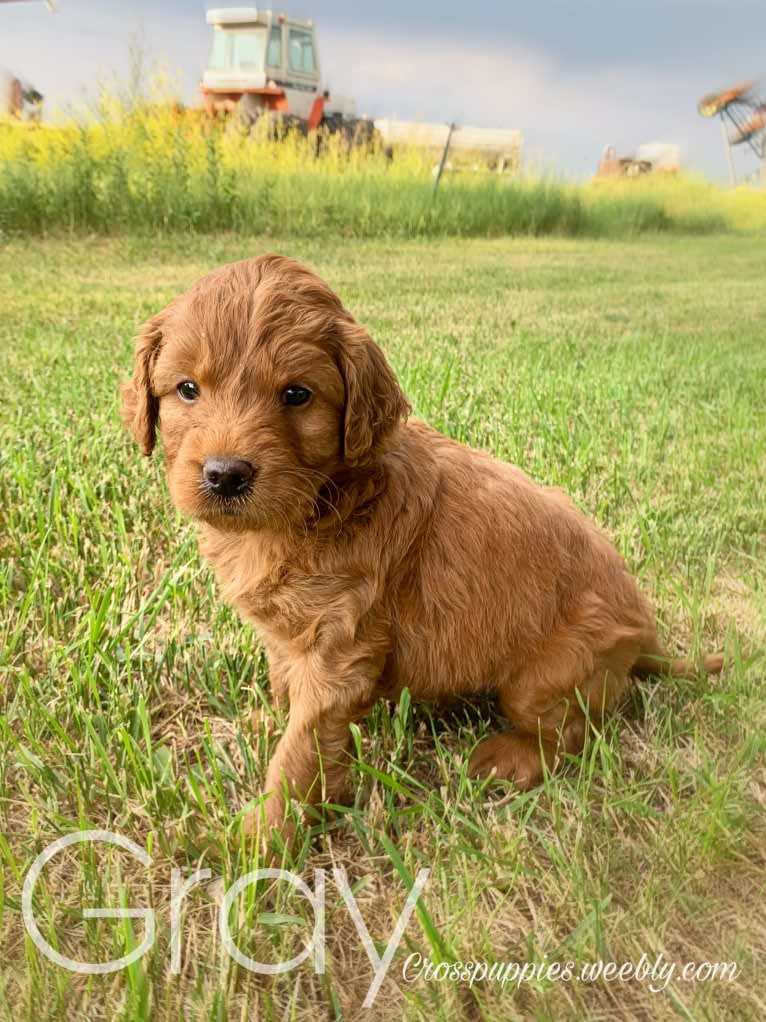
{"points": [[188, 391], [295, 395]]}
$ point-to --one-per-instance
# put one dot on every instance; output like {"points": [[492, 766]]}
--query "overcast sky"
{"points": [[573, 75]]}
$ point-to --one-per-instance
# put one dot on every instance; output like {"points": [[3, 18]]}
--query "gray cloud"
{"points": [[577, 33]]}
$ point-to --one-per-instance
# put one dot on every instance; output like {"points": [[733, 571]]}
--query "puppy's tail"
{"points": [[659, 663]]}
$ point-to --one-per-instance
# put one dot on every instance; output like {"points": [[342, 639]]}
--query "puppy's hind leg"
{"points": [[549, 715], [522, 755]]}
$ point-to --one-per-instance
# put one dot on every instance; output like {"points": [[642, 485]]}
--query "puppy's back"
{"points": [[499, 566]]}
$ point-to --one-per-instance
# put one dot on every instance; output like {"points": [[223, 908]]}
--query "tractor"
{"points": [[265, 64]]}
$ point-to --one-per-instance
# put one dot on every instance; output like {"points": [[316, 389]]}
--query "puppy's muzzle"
{"points": [[227, 477]]}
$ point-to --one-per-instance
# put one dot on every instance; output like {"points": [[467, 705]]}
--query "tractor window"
{"points": [[274, 57], [302, 51], [240, 50], [219, 51], [247, 50]]}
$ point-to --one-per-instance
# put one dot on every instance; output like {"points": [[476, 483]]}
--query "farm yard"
{"points": [[622, 356]]}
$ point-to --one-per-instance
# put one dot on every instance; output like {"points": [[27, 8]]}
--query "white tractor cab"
{"points": [[261, 62]]}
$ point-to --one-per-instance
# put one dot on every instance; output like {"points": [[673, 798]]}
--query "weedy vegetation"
{"points": [[137, 161]]}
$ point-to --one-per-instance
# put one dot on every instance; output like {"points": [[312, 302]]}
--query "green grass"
{"points": [[633, 375]]}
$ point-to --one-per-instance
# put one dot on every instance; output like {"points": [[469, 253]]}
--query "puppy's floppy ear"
{"points": [[375, 404], [140, 407]]}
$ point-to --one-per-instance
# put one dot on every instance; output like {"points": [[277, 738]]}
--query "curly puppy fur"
{"points": [[370, 552]]}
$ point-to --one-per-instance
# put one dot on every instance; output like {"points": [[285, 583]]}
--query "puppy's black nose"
{"points": [[227, 477]]}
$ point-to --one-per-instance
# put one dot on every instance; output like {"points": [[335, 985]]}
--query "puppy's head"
{"points": [[264, 389]]}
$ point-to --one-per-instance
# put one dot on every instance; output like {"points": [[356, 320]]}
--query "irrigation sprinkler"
{"points": [[742, 112]]}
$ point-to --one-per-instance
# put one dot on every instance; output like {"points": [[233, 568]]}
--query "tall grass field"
{"points": [[630, 372], [133, 165]]}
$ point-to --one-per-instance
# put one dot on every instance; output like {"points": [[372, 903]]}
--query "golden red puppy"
{"points": [[371, 552]]}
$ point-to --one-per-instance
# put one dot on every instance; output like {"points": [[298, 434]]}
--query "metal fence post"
{"points": [[443, 160]]}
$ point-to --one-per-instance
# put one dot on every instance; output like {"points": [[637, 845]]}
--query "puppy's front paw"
{"points": [[270, 830], [515, 756]]}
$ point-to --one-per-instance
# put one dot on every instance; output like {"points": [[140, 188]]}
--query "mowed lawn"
{"points": [[631, 374]]}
